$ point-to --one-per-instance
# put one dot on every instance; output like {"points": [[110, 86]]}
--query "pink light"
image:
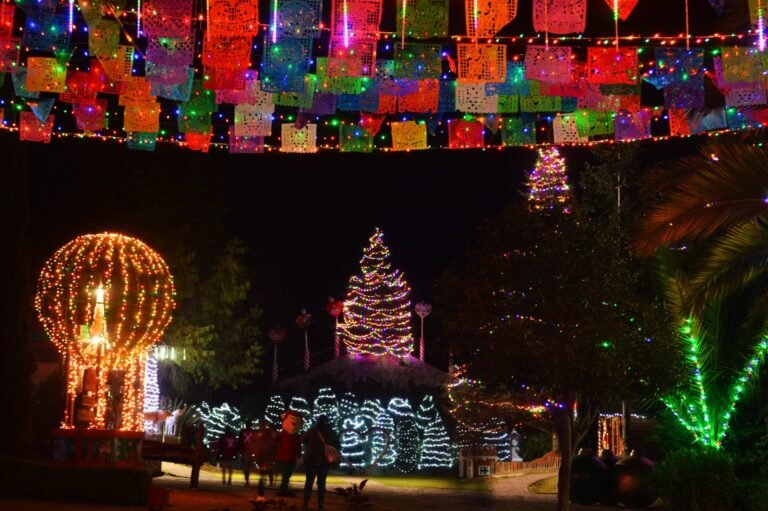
{"points": [[274, 22], [760, 26], [346, 25]]}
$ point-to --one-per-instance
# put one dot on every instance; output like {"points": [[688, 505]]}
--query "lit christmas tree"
{"points": [[218, 419], [326, 404], [353, 442], [497, 434], [436, 448], [377, 311], [385, 423], [299, 404], [275, 408], [548, 182], [399, 408], [426, 413], [151, 392], [406, 445], [348, 407], [370, 410]]}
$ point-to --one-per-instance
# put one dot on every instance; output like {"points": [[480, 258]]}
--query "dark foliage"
{"points": [[32, 479]]}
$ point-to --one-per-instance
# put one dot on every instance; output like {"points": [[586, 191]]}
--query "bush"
{"points": [[697, 480], [753, 494], [112, 485]]}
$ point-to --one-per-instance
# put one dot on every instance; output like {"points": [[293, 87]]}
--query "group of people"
{"points": [[271, 451]]}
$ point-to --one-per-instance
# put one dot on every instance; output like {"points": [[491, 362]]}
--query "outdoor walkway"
{"points": [[507, 494]]}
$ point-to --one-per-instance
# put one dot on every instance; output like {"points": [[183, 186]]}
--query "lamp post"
{"points": [[276, 335], [303, 320], [423, 309], [334, 308]]}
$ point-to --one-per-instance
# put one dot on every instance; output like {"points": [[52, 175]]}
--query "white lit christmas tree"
{"points": [[548, 183], [400, 407], [353, 442], [497, 434], [377, 311], [406, 445], [370, 410], [348, 407], [275, 408], [436, 450], [218, 419], [426, 413], [325, 404], [299, 404], [383, 443], [151, 392]]}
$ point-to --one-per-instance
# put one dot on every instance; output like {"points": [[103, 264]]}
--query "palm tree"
{"points": [[719, 200], [716, 199], [704, 194], [722, 354]]}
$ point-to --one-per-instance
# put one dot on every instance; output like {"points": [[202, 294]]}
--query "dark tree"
{"points": [[548, 307], [215, 330], [16, 363]]}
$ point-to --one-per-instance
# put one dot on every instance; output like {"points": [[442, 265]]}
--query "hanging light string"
{"points": [[760, 26], [546, 24], [687, 28], [403, 14], [346, 23], [274, 21], [616, 21]]}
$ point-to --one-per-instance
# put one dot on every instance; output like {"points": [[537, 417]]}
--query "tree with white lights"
{"points": [[377, 311]]}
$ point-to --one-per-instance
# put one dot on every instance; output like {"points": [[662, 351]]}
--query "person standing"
{"points": [[315, 459], [264, 453], [288, 450], [227, 454], [247, 448]]}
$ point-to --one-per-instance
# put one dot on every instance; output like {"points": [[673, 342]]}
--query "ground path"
{"points": [[506, 494]]}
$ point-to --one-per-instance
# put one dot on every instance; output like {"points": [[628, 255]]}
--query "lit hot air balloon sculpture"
{"points": [[104, 300]]}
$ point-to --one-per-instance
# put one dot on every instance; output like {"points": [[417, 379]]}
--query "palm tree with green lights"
{"points": [[712, 213]]}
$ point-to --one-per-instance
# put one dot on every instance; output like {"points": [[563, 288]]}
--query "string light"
{"points": [[548, 182], [300, 405], [104, 300], [706, 419], [275, 408], [377, 311], [436, 447], [151, 391], [325, 404], [218, 420], [330, 141]]}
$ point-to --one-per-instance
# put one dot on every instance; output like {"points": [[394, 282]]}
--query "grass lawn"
{"points": [[544, 486], [399, 481], [437, 482]]}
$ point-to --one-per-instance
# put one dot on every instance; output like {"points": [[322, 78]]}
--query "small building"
{"points": [[479, 461]]}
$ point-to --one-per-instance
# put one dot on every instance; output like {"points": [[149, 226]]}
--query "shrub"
{"points": [[111, 485], [753, 494], [697, 480]]}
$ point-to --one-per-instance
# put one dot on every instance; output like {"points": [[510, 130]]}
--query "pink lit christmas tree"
{"points": [[548, 183], [377, 311]]}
